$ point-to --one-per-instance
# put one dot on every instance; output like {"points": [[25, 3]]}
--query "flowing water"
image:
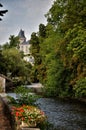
{"points": [[64, 115]]}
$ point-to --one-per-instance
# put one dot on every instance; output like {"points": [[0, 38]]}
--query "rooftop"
{"points": [[21, 34]]}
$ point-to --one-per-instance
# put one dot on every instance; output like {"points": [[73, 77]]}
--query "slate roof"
{"points": [[25, 43], [21, 34]]}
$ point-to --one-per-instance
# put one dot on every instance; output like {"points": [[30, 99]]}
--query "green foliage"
{"points": [[34, 41], [54, 73], [73, 52], [13, 42], [65, 13], [63, 49], [12, 101], [59, 50], [80, 88], [24, 97], [3, 66], [42, 30], [56, 12], [46, 126], [75, 13], [33, 75], [12, 59], [77, 37], [14, 64]]}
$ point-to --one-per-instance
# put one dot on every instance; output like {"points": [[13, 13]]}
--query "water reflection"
{"points": [[63, 114]]}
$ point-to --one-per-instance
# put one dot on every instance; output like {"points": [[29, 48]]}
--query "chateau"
{"points": [[24, 47]]}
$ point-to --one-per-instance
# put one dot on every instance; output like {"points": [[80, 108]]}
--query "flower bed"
{"points": [[30, 115]]}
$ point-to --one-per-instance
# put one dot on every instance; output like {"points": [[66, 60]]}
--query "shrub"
{"points": [[29, 114], [80, 88], [24, 96]]}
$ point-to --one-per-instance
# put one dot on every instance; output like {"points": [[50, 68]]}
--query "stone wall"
{"points": [[2, 84], [30, 129], [6, 119]]}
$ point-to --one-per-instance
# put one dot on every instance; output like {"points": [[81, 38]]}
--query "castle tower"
{"points": [[22, 37], [24, 47]]}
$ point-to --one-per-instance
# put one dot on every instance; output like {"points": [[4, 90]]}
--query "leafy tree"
{"points": [[75, 13], [62, 49], [56, 13], [12, 59], [6, 45], [65, 13], [35, 48], [80, 88], [15, 64], [2, 64], [66, 20], [42, 30], [13, 42], [72, 49], [35, 42]]}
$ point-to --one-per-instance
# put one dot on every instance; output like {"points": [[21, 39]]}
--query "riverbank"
{"points": [[74, 100], [68, 99]]}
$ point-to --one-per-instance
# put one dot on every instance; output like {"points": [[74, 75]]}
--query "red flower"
{"points": [[17, 114], [29, 114]]}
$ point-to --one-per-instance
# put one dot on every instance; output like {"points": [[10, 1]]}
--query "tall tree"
{"points": [[42, 30], [65, 13], [67, 18], [62, 68], [14, 63], [13, 42], [34, 41]]}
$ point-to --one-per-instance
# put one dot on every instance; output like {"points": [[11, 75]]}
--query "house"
{"points": [[2, 83], [5, 83], [24, 47]]}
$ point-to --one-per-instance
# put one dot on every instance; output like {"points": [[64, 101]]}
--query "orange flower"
{"points": [[29, 114], [17, 114]]}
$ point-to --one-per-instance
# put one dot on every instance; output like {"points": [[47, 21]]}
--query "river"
{"points": [[63, 114]]}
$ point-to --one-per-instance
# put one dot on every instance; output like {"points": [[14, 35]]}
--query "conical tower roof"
{"points": [[21, 34]]}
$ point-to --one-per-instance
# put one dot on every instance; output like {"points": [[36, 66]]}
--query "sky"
{"points": [[22, 14]]}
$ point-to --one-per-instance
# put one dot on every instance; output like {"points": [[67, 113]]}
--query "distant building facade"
{"points": [[24, 47]]}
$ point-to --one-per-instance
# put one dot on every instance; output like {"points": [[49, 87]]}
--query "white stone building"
{"points": [[24, 47]]}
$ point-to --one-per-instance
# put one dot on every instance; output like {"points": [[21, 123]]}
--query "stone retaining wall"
{"points": [[30, 129], [6, 119]]}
